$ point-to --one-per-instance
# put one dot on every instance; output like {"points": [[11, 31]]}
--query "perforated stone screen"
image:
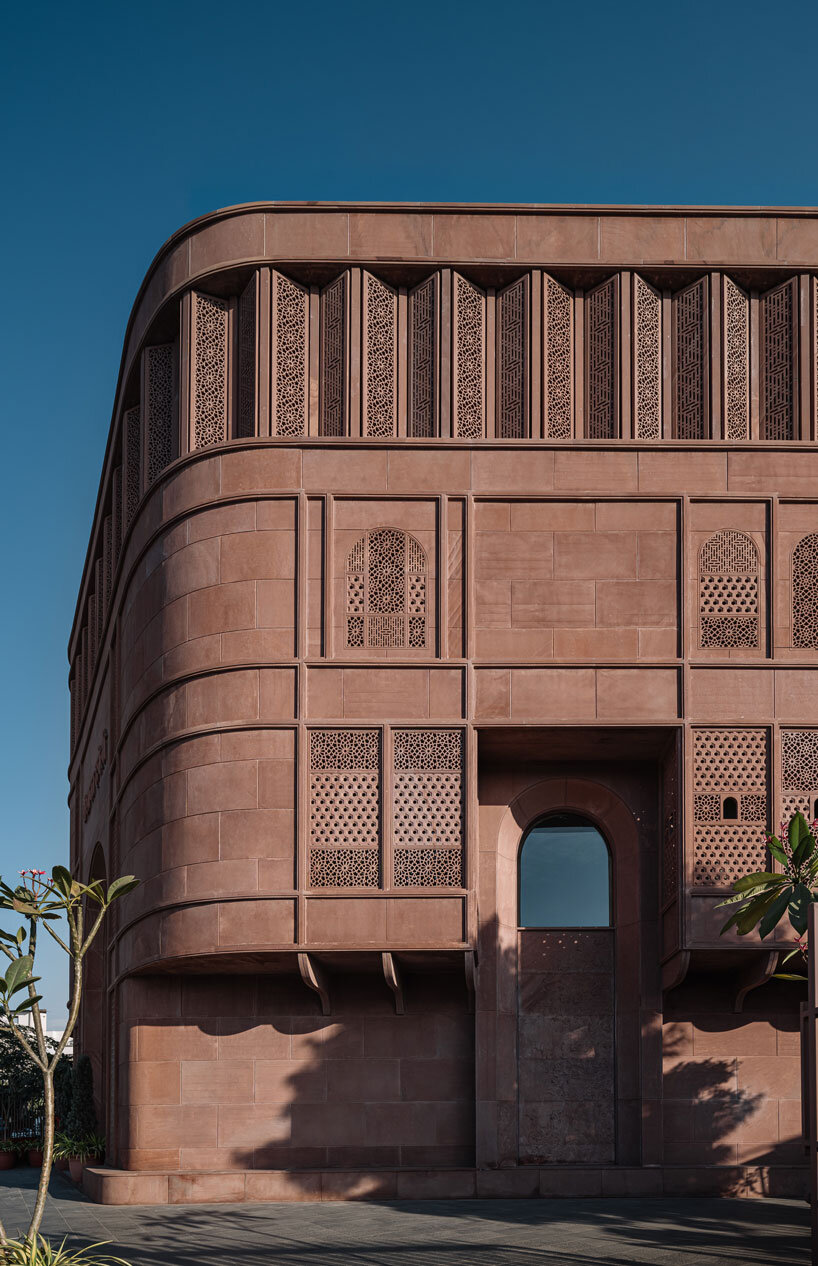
{"points": [[730, 769], [427, 821], [345, 808], [386, 591]]}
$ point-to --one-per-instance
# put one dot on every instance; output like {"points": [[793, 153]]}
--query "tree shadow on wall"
{"points": [[702, 1107], [367, 1088], [707, 1102]]}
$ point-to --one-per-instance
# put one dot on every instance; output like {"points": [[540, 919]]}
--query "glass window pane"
{"points": [[565, 875]]}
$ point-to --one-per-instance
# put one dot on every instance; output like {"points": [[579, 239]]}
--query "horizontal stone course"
{"points": [[110, 1186]]}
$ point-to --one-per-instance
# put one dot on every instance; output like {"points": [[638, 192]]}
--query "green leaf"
{"points": [[801, 841], [756, 910], [801, 901], [95, 890], [775, 913], [763, 890], [757, 880], [778, 852], [23, 907], [17, 971], [784, 975], [61, 879], [748, 915], [23, 984], [27, 1004], [126, 883]]}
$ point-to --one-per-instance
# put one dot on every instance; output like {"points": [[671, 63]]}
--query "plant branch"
{"points": [[22, 1041], [54, 935], [96, 926]]}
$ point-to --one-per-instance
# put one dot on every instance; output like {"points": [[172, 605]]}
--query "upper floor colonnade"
{"points": [[467, 327], [474, 355]]}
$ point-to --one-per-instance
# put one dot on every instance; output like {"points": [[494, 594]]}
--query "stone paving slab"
{"points": [[653, 1232]]}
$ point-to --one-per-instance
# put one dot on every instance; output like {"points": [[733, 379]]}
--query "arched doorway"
{"points": [[566, 994], [617, 803]]}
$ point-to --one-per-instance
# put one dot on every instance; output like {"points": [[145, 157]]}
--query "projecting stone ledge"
{"points": [[120, 1187]]}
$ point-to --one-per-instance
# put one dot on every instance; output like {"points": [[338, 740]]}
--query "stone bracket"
{"points": [[675, 970], [470, 972], [758, 973], [315, 979], [392, 976]]}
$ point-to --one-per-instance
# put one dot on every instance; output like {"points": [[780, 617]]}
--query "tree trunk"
{"points": [[48, 1155]]}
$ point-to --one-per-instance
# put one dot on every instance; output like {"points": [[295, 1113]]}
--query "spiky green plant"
{"points": [[38, 1252]]}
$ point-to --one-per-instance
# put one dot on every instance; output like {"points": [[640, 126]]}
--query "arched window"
{"points": [[386, 590], [805, 593], [728, 591], [565, 875], [729, 809]]}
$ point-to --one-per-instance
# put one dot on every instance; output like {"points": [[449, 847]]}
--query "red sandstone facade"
{"points": [[416, 525]]}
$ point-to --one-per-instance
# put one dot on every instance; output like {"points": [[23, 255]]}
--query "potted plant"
{"points": [[81, 1124], [62, 1151], [8, 1152], [33, 1149], [82, 1152]]}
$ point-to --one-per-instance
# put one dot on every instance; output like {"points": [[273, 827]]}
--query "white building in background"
{"points": [[27, 1022]]}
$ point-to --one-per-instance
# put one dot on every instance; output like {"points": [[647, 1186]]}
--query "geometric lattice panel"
{"points": [[290, 357], [805, 593], [736, 362], [422, 412], [690, 361], [799, 773], [728, 591], [427, 810], [132, 446], [601, 320], [209, 402], [386, 591], [558, 360], [779, 360], [245, 426], [158, 398], [116, 514], [345, 817], [647, 365], [380, 377], [468, 349], [730, 804], [512, 361], [333, 355]]}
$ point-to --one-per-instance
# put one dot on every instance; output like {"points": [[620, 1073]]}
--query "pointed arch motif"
{"points": [[805, 593], [728, 591], [386, 590]]}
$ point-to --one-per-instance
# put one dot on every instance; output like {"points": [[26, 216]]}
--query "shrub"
{"points": [[82, 1118], [63, 1090]]}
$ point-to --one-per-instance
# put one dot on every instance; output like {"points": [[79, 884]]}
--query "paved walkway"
{"points": [[660, 1232]]}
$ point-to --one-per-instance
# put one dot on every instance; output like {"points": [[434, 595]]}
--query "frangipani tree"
{"points": [[763, 898], [42, 902]]}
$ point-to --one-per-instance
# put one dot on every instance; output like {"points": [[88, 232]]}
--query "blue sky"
{"points": [[120, 122]]}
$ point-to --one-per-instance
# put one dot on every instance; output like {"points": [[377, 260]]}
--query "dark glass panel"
{"points": [[565, 875]]}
